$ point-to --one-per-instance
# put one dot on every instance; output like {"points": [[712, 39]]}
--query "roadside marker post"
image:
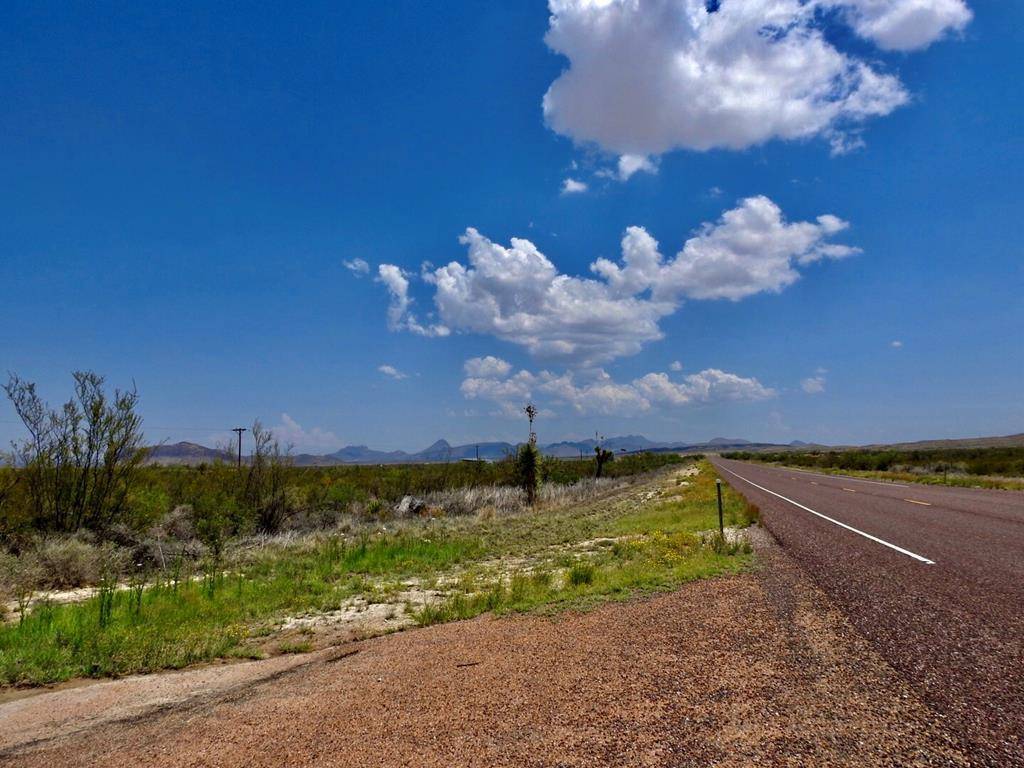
{"points": [[721, 525]]}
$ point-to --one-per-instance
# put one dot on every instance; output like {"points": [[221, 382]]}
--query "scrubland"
{"points": [[580, 544]]}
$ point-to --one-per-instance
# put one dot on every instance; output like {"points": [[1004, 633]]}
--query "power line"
{"points": [[149, 427]]}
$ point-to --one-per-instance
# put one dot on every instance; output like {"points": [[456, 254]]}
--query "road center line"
{"points": [[922, 503], [854, 479], [849, 490], [875, 539]]}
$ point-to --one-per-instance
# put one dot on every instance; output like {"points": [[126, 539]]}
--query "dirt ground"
{"points": [[754, 669]]}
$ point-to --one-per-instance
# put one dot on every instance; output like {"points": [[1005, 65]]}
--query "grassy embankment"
{"points": [[609, 548]]}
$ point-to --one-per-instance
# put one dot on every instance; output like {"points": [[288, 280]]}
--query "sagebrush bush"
{"points": [[69, 562]]}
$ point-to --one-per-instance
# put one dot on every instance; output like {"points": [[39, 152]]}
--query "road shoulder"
{"points": [[755, 668]]}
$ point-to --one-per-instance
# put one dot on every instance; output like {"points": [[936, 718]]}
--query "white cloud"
{"points": [[392, 372], [358, 267], [896, 344], [649, 76], [516, 293], [400, 317], [750, 249], [599, 395], [290, 433], [499, 388], [904, 25], [572, 187], [487, 367], [813, 385], [633, 164], [597, 392], [676, 366]]}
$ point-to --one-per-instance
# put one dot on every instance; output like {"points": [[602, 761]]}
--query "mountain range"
{"points": [[443, 451]]}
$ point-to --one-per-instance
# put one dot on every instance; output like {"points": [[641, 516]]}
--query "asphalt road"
{"points": [[932, 576]]}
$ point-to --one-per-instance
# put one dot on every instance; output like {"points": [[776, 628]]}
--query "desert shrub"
{"points": [[82, 460], [748, 515], [586, 488], [341, 495], [1006, 462], [528, 470], [467, 501], [376, 509], [227, 503], [147, 505], [20, 577], [724, 545], [69, 562]]}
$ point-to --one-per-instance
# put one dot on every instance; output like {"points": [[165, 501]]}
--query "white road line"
{"points": [[883, 542], [847, 477], [922, 503]]}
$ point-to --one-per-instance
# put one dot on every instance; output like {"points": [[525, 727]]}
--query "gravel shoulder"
{"points": [[755, 668]]}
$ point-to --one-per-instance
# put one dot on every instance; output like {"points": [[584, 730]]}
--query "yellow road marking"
{"points": [[922, 503], [850, 490]]}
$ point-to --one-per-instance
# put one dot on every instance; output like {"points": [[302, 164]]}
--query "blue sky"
{"points": [[182, 189]]}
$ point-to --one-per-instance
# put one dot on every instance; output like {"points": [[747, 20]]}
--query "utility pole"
{"points": [[239, 430]]}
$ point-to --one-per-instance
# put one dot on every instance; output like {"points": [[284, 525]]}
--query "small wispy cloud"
{"points": [[675, 366], [628, 166], [392, 372], [357, 267], [897, 344], [813, 385], [290, 433], [573, 187]]}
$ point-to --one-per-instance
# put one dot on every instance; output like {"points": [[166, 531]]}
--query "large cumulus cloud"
{"points": [[649, 76], [515, 293]]}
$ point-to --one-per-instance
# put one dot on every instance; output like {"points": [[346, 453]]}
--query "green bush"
{"points": [[216, 493], [1002, 462], [528, 470]]}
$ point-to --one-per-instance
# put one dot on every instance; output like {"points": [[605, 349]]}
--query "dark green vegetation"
{"points": [[81, 468], [225, 503], [188, 564], [607, 548], [988, 467]]}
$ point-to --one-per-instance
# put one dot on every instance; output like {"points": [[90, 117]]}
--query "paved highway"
{"points": [[932, 576]]}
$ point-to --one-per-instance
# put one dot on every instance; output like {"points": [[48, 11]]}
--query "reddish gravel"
{"points": [[755, 669], [953, 629]]}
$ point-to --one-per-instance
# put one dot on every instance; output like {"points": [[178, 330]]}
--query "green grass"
{"points": [[651, 548], [174, 623]]}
